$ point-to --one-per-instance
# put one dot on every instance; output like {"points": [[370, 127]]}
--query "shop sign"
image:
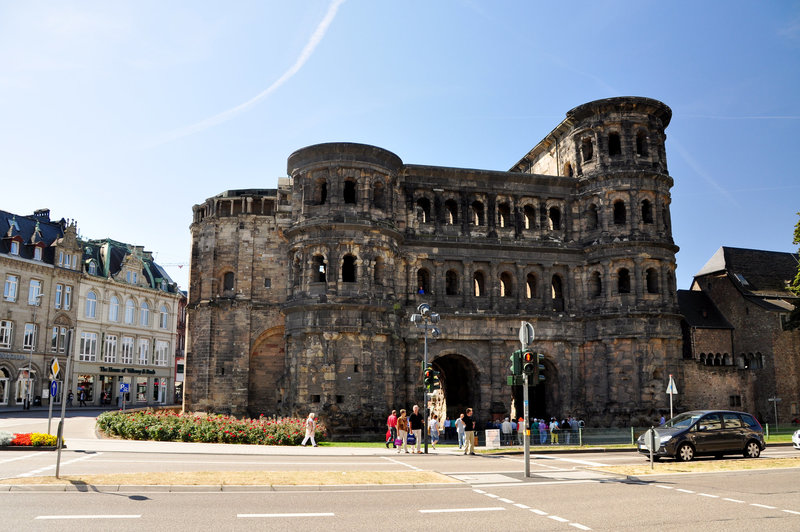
{"points": [[12, 356], [128, 371]]}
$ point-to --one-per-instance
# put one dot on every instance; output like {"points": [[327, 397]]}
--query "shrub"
{"points": [[5, 438], [169, 426]]}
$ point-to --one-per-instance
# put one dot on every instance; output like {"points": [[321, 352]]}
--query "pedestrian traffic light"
{"points": [[436, 382], [516, 362], [538, 374]]}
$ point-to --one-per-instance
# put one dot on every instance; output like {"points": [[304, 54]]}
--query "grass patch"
{"points": [[243, 478], [702, 466]]}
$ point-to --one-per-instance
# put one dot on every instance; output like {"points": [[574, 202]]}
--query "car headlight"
{"points": [[664, 439]]}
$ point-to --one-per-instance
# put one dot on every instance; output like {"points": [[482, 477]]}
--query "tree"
{"points": [[794, 316]]}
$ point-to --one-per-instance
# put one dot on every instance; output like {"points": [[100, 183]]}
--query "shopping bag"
{"points": [[411, 439], [398, 442]]}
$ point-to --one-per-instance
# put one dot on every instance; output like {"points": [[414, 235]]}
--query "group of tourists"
{"points": [[405, 431], [543, 432]]}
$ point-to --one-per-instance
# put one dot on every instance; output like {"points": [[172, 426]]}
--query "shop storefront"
{"points": [[101, 383]]}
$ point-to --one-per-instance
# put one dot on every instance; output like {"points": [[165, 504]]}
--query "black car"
{"points": [[707, 432]]}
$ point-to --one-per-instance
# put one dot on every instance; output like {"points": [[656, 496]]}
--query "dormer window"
{"points": [[131, 277], [92, 268], [37, 253], [14, 250]]}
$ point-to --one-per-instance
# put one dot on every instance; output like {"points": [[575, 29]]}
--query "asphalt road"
{"points": [[564, 492]]}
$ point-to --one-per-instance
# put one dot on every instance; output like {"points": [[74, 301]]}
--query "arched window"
{"points": [[227, 281], [587, 149], [349, 193], [477, 213], [592, 220], [91, 304], [478, 282], [144, 314], [451, 208], [620, 216], [641, 143], [113, 309], [452, 283], [130, 311], [423, 210], [530, 286], [163, 317], [554, 218], [647, 212], [595, 285], [423, 281], [614, 147], [530, 217], [504, 215], [378, 273], [321, 192], [319, 272], [92, 268], [506, 285], [349, 269], [652, 281], [378, 196], [557, 293], [623, 281]]}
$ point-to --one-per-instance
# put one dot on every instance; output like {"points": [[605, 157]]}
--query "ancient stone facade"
{"points": [[300, 296]]}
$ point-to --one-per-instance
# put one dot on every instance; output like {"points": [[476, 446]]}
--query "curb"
{"points": [[176, 488]]}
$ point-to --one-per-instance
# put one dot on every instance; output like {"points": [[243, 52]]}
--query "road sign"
{"points": [[526, 334], [671, 388], [53, 388], [124, 387], [54, 368]]}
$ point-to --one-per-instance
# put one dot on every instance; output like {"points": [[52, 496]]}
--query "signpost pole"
{"points": [[50, 408], [526, 336], [60, 437]]}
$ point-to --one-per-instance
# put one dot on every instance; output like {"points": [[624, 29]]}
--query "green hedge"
{"points": [[169, 426]]}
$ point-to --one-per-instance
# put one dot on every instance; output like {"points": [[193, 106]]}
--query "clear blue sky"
{"points": [[124, 114]]}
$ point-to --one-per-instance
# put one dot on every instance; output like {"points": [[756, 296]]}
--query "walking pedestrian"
{"points": [[434, 430], [469, 433], [81, 398], [460, 430], [542, 432], [391, 424], [311, 427], [506, 430], [417, 423], [402, 431], [70, 397]]}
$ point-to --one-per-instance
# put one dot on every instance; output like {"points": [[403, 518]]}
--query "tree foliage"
{"points": [[794, 317]]}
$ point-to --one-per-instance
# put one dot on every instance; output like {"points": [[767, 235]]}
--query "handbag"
{"points": [[411, 439], [398, 442]]}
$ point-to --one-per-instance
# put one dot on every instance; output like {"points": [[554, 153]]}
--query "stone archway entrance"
{"points": [[459, 381], [543, 399], [267, 365]]}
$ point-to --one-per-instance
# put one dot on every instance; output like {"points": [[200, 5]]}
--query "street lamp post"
{"points": [[35, 300], [775, 400], [425, 318]]}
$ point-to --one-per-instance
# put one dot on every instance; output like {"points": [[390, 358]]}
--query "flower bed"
{"points": [[169, 426], [31, 439]]}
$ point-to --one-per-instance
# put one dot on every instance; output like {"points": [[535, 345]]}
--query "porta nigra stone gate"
{"points": [[301, 296]]}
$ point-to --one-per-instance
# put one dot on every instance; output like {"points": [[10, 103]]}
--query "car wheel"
{"points": [[685, 453], [752, 450]]}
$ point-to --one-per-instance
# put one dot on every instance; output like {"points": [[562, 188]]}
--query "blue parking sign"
{"points": [[124, 387]]}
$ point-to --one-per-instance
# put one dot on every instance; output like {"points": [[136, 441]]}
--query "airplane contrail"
{"points": [[224, 116]]}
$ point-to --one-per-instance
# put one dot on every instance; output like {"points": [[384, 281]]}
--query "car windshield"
{"points": [[683, 420]]}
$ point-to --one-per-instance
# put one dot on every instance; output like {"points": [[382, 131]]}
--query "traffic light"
{"points": [[538, 374], [529, 362], [533, 366], [436, 383], [516, 363], [427, 377]]}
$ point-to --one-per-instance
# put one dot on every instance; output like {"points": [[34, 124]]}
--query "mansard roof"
{"points": [[110, 256], [699, 311], [763, 277], [30, 231]]}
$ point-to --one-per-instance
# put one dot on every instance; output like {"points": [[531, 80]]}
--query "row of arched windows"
{"points": [[743, 361], [614, 144], [130, 312]]}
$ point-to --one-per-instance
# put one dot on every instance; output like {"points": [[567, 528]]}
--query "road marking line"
{"points": [[21, 457], [538, 512], [509, 501], [401, 463], [709, 495], [791, 512], [520, 505], [557, 518], [580, 526], [322, 514], [43, 469], [664, 487], [732, 500], [492, 495], [479, 491], [570, 460], [683, 490], [132, 516], [763, 506], [454, 510]]}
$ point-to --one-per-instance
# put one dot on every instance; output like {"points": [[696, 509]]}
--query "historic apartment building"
{"points": [[734, 334], [119, 305], [300, 296]]}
